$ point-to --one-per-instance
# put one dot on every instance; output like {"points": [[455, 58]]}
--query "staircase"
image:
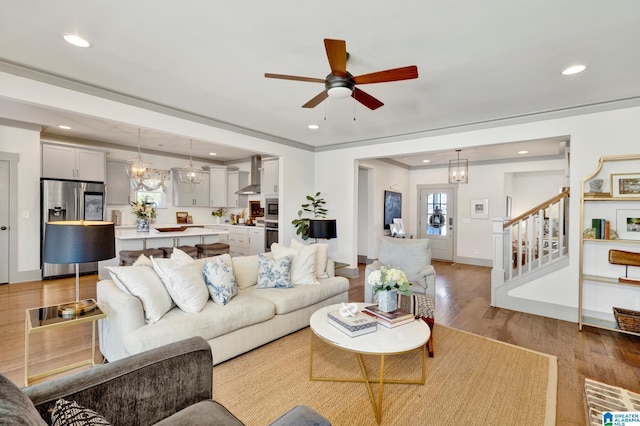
{"points": [[528, 247]]}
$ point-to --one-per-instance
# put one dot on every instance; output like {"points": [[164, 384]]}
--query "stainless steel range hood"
{"points": [[254, 187]]}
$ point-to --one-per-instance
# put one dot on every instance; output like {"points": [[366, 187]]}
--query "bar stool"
{"points": [[215, 249], [127, 257], [190, 250]]}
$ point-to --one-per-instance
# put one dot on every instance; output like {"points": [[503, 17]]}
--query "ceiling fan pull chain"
{"points": [[325, 111]]}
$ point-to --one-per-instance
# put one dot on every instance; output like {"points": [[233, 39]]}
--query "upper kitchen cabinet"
{"points": [[235, 181], [218, 186], [75, 163], [188, 194], [270, 176], [118, 183]]}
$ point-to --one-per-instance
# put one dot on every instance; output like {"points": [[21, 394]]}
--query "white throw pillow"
{"points": [[322, 252], [218, 275], [273, 273], [245, 269], [184, 281], [303, 262], [143, 283]]}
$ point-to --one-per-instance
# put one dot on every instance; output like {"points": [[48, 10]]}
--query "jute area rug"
{"points": [[471, 380]]}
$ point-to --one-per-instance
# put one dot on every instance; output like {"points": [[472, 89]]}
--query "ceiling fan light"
{"points": [[339, 92]]}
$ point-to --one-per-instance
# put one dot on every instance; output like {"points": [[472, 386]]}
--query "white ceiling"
{"points": [[478, 61]]}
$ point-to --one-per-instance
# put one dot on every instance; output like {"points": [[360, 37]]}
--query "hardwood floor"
{"points": [[463, 295]]}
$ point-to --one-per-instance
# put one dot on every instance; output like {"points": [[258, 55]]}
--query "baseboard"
{"points": [[25, 276], [474, 261]]}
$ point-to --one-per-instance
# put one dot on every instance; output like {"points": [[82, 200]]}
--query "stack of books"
{"points": [[389, 319], [353, 326]]}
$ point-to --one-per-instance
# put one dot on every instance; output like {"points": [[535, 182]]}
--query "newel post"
{"points": [[499, 241]]}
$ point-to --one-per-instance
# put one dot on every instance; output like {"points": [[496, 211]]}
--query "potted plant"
{"points": [[218, 213], [314, 206], [387, 282]]}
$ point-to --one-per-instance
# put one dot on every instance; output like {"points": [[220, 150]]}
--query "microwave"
{"points": [[271, 209]]}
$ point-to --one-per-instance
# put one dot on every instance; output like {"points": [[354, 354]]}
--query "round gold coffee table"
{"points": [[384, 341]]}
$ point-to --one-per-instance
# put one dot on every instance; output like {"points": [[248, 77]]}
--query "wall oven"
{"points": [[271, 209], [270, 234]]}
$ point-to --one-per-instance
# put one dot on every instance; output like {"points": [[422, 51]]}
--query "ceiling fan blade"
{"points": [[295, 77], [337, 55], [366, 99], [396, 74], [316, 100]]}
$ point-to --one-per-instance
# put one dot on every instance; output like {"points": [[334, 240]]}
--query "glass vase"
{"points": [[388, 300], [142, 225]]}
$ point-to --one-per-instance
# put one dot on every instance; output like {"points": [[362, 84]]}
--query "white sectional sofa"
{"points": [[251, 318]]}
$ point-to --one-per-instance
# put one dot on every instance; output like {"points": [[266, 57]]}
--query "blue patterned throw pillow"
{"points": [[220, 280], [274, 273]]}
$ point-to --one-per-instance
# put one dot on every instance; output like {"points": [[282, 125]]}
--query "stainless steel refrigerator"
{"points": [[69, 200]]}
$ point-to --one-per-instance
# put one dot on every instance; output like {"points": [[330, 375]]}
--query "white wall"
{"points": [[532, 188]]}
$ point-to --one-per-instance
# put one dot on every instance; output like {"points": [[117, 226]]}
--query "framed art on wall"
{"points": [[480, 209], [392, 207]]}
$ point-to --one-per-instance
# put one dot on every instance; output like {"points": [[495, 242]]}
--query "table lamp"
{"points": [[67, 242], [322, 228]]}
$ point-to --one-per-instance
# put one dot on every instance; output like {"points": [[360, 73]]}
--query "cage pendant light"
{"points": [[459, 170], [190, 173], [137, 169]]}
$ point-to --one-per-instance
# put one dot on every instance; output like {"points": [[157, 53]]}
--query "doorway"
{"points": [[437, 219], [4, 221]]}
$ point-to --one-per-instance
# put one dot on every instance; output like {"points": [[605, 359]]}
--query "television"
{"points": [[392, 207]]}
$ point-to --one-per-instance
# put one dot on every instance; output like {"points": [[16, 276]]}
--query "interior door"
{"points": [[4, 222], [437, 212]]}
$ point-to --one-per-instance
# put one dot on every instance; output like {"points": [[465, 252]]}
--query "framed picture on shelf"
{"points": [[392, 207], [480, 209], [628, 224], [625, 185]]}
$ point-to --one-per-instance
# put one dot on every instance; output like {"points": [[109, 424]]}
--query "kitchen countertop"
{"points": [[132, 234]]}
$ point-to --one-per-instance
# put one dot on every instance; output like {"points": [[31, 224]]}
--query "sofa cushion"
{"points": [[298, 297], [206, 412], [218, 275], [274, 273], [303, 262], [143, 283], [212, 321], [245, 269], [70, 413], [183, 279], [15, 407], [322, 256]]}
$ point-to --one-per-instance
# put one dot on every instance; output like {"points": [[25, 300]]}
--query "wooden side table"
{"points": [[47, 318]]}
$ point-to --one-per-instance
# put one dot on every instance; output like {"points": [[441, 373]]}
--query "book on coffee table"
{"points": [[353, 326], [392, 317]]}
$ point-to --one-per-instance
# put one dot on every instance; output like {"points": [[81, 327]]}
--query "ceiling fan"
{"points": [[341, 84]]}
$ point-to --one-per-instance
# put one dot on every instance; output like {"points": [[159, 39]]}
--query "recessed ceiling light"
{"points": [[313, 126], [426, 161], [212, 153], [76, 40], [523, 152], [61, 126], [574, 69]]}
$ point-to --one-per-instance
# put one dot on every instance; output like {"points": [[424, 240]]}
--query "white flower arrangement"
{"points": [[143, 210], [389, 278]]}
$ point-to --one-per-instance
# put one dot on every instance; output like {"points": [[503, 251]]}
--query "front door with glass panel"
{"points": [[437, 209]]}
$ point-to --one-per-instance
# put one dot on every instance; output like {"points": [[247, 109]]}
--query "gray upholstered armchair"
{"points": [[414, 258]]}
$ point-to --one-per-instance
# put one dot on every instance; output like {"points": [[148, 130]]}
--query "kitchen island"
{"points": [[130, 239]]}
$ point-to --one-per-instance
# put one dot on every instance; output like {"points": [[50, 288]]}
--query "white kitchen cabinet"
{"points": [[69, 162], [118, 183], [189, 194], [218, 186], [256, 240], [236, 180], [270, 176]]}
